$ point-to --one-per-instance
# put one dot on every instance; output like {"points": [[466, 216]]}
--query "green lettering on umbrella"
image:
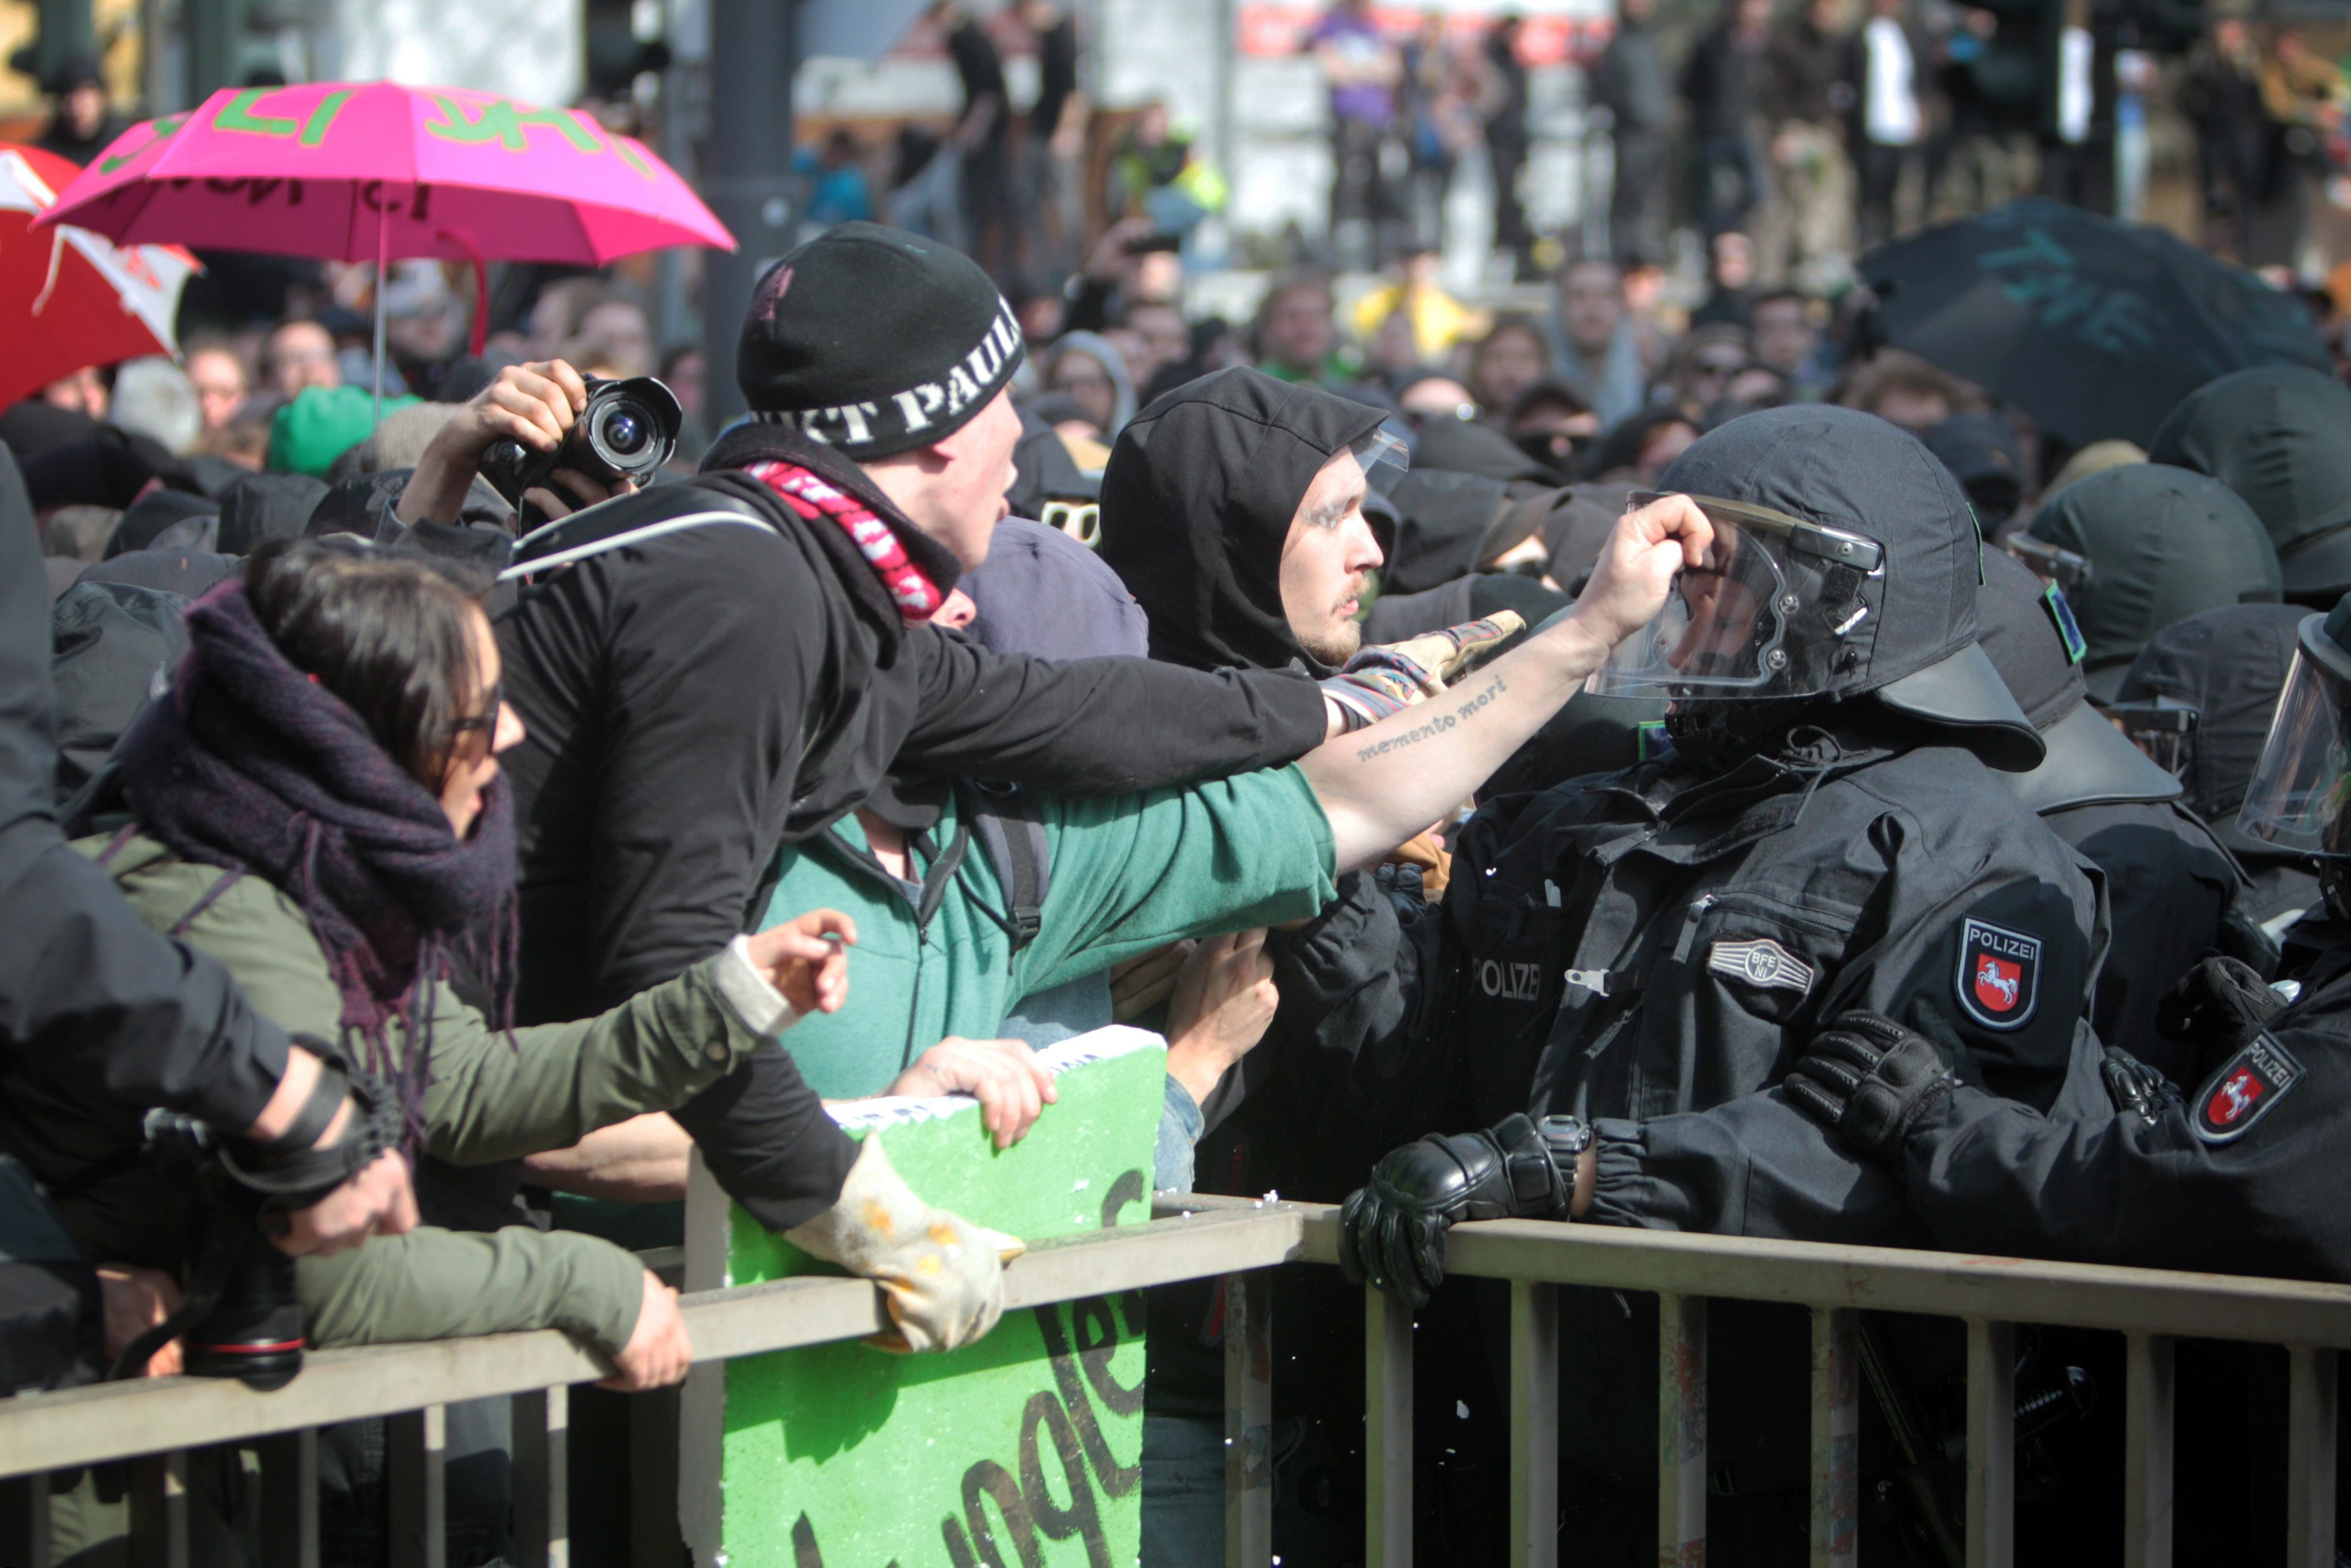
{"points": [[163, 128], [314, 130], [504, 121], [237, 114]]}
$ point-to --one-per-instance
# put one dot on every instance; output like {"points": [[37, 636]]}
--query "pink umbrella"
{"points": [[378, 171]]}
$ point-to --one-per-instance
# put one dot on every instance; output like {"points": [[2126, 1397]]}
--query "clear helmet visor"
{"points": [[2301, 787], [1722, 622], [1382, 457]]}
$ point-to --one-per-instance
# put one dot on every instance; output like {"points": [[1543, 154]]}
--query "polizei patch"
{"points": [[1999, 974], [2242, 1092], [1762, 962]]}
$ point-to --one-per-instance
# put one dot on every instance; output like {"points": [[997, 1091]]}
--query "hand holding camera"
{"points": [[549, 440]]}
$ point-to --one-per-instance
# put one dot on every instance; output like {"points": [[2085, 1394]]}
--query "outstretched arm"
{"points": [[1380, 786]]}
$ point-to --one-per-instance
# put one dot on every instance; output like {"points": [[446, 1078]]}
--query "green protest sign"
{"points": [[1021, 1449]]}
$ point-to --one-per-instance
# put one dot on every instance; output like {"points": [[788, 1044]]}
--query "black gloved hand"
{"points": [[1867, 1078], [1392, 1232], [2136, 1088], [2217, 1007]]}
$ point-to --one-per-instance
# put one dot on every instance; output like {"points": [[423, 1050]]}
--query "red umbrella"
{"points": [[69, 298]]}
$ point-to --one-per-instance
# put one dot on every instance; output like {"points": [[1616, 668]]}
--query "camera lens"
{"points": [[624, 433]]}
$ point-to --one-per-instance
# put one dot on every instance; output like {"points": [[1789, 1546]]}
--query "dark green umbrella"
{"points": [[2093, 328]]}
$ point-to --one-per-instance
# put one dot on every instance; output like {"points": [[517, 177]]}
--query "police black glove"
{"points": [[1868, 1080], [1392, 1232], [2216, 1009], [2135, 1087]]}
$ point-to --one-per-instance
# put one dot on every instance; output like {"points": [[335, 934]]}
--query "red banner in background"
{"points": [[1544, 39]]}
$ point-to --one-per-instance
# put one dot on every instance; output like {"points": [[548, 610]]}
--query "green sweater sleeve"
{"points": [[1135, 873], [444, 1284]]}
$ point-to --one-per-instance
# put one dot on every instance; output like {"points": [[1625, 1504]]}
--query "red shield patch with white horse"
{"points": [[1999, 974], [2243, 1092]]}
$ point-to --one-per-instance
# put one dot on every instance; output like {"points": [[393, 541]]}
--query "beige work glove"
{"points": [[943, 1275]]}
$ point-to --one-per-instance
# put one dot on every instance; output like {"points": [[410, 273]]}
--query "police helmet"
{"points": [[2027, 629], [2300, 798], [1845, 564]]}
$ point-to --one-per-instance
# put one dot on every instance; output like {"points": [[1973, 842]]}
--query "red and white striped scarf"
{"points": [[917, 597]]}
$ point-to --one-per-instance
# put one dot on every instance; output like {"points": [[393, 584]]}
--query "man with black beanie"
{"points": [[710, 670]]}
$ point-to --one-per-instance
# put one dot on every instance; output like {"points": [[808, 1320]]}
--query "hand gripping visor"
{"points": [[2301, 789], [1761, 616]]}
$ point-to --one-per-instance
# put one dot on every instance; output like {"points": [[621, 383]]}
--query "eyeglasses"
{"points": [[486, 721]]}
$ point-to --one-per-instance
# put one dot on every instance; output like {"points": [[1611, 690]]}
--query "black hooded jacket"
{"points": [[698, 699], [88, 995], [1197, 504]]}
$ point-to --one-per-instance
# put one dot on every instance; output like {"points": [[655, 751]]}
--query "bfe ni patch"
{"points": [[2248, 1084], [1999, 981]]}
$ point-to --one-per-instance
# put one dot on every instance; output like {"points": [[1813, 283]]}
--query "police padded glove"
{"points": [[1868, 1080], [2135, 1087], [1392, 1232], [1385, 680], [942, 1275], [2216, 1009]]}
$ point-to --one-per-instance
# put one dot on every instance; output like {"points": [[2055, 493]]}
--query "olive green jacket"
{"points": [[490, 1099]]}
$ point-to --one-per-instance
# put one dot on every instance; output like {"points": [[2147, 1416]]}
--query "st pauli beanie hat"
{"points": [[875, 340]]}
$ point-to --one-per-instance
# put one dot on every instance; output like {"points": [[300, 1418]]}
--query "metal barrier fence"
{"points": [[154, 1423]]}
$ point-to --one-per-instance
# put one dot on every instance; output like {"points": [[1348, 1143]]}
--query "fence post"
{"points": [[1991, 1444], [1248, 1421], [1534, 1424], [2310, 1457], [289, 1498], [542, 1431], [1387, 1430], [1836, 1436], [2147, 1451], [159, 1511], [25, 1521], [1682, 1431], [416, 1448]]}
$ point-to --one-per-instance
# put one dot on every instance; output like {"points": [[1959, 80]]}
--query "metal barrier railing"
{"points": [[155, 1423]]}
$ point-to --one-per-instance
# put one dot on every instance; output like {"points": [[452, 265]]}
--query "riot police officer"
{"points": [[1828, 834], [2173, 890]]}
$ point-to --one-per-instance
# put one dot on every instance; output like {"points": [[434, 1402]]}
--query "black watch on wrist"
{"points": [[1566, 1137]]}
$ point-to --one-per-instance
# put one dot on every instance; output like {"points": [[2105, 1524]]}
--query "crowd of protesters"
{"points": [[1849, 772]]}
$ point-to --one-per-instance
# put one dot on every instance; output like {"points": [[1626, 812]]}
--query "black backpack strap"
{"points": [[626, 521], [1006, 823]]}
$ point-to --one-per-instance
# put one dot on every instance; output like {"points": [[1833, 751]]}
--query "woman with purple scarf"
{"points": [[317, 804]]}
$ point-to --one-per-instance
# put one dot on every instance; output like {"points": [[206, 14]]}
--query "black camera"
{"points": [[239, 1317], [628, 430]]}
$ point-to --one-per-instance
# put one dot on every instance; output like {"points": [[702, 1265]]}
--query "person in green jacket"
{"points": [[317, 804]]}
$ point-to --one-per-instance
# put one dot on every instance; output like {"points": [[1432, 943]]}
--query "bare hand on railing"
{"points": [[659, 1351], [1013, 1087], [135, 1300]]}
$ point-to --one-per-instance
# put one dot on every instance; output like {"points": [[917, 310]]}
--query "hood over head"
{"points": [[1912, 645], [1443, 518], [1102, 351], [2162, 543], [2021, 624], [2229, 665], [1196, 504], [2280, 436], [1466, 446]]}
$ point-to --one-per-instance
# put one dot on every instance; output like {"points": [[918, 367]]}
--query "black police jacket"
{"points": [[2245, 1177], [2173, 894], [1658, 940]]}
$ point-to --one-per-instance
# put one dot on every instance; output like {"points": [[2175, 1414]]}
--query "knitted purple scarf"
{"points": [[250, 764]]}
